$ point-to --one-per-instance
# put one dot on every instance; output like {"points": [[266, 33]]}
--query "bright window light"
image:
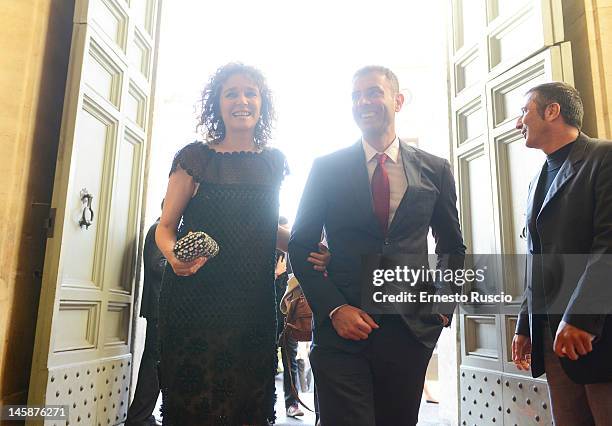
{"points": [[308, 51]]}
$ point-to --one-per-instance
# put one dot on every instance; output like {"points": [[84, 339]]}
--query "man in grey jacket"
{"points": [[565, 327]]}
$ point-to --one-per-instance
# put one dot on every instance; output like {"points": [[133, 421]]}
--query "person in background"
{"points": [[140, 412], [289, 351]]}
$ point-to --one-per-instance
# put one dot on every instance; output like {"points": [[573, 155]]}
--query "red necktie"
{"points": [[380, 192]]}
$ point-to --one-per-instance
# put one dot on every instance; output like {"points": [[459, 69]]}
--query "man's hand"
{"points": [[281, 266], [521, 351], [353, 323], [443, 319], [321, 259], [572, 342]]}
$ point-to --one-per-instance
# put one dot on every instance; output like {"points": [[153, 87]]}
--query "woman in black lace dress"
{"points": [[218, 316]]}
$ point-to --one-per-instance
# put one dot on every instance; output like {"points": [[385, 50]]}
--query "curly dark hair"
{"points": [[210, 115]]}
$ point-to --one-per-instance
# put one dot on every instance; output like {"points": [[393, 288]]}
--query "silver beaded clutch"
{"points": [[194, 245]]}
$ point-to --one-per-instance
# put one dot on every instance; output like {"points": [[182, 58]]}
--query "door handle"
{"points": [[86, 199]]}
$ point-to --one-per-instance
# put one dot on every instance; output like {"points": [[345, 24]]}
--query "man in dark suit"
{"points": [[379, 196], [564, 328], [140, 412]]}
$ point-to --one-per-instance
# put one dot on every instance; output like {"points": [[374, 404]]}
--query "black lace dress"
{"points": [[217, 327]]}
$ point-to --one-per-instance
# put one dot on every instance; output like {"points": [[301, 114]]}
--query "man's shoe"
{"points": [[294, 411]]}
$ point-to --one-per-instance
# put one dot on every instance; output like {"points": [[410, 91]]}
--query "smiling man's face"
{"points": [[375, 103]]}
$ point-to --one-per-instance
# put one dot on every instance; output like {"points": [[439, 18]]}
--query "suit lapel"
{"points": [[567, 171], [412, 170], [360, 181]]}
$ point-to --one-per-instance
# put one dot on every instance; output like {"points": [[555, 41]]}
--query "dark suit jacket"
{"points": [[575, 219], [337, 196], [154, 265]]}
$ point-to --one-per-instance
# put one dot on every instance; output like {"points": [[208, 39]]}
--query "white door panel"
{"points": [[82, 350], [500, 49], [513, 164]]}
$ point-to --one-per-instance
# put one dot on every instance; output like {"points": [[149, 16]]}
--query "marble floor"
{"points": [[428, 415]]}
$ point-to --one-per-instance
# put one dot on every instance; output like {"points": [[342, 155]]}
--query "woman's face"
{"points": [[240, 103]]}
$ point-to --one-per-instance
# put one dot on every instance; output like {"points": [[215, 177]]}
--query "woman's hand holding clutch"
{"points": [[191, 252], [185, 269]]}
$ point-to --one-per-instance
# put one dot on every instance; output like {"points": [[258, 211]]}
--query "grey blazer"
{"points": [[337, 197], [575, 218]]}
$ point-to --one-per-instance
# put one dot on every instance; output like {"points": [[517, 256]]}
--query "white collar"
{"points": [[392, 150]]}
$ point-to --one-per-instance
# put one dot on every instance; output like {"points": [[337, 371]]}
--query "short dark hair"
{"points": [[282, 220], [210, 114], [563, 94], [381, 70]]}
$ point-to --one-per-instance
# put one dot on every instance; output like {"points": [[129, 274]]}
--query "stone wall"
{"points": [[588, 25], [35, 37]]}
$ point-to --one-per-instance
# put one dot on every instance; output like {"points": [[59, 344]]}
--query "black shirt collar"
{"points": [[555, 160]]}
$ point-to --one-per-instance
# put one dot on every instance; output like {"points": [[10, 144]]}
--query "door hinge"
{"points": [[50, 223]]}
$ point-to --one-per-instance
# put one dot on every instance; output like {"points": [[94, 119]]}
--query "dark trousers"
{"points": [[290, 370], [140, 412], [380, 385]]}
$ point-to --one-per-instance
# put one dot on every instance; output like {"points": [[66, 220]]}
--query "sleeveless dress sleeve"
{"points": [[191, 158]]}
